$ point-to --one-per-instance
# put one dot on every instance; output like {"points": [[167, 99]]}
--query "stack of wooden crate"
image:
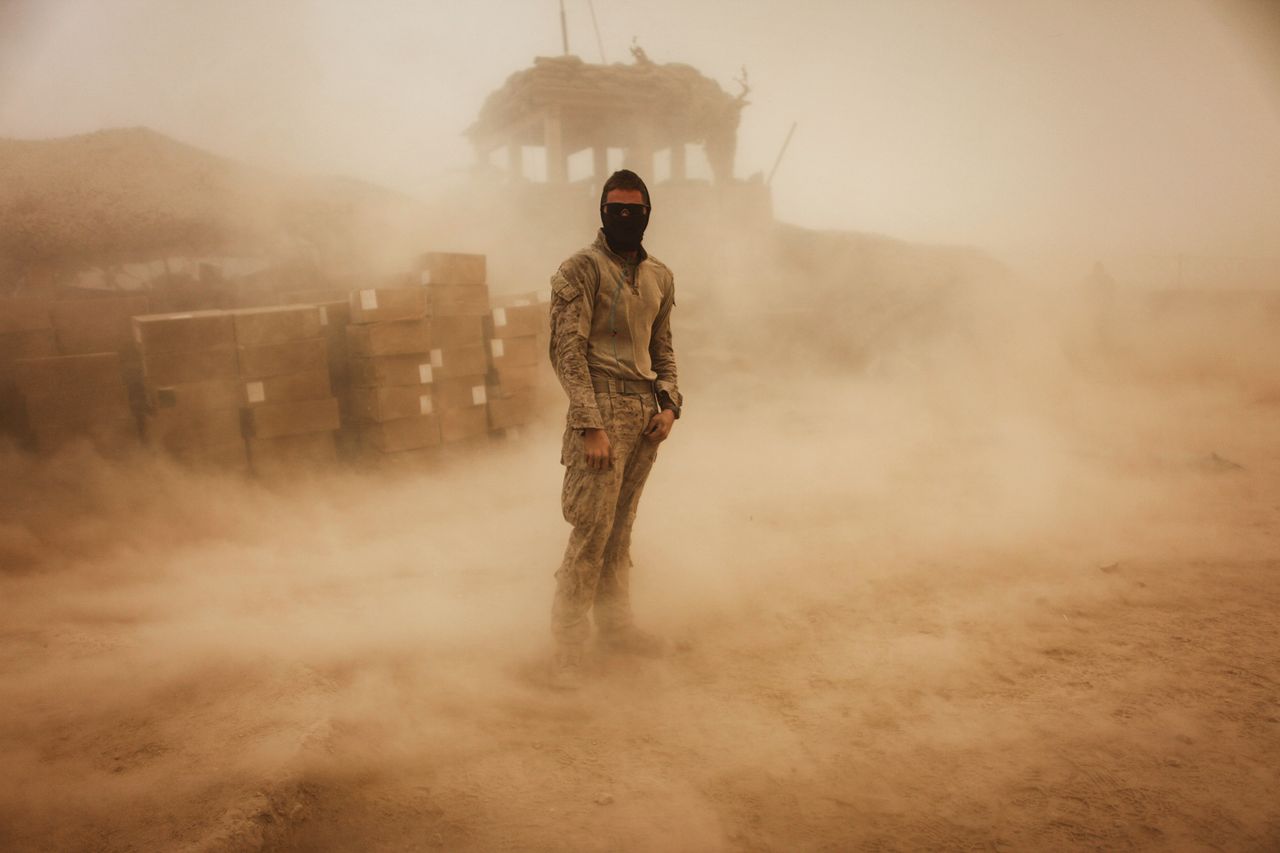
{"points": [[518, 353], [458, 295], [93, 324], [335, 315], [25, 332], [191, 375], [26, 329], [73, 397], [391, 373], [103, 323], [289, 411]]}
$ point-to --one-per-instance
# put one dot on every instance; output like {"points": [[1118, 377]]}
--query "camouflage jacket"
{"points": [[611, 317]]}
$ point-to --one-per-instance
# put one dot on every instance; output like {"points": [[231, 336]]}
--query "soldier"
{"points": [[611, 347]]}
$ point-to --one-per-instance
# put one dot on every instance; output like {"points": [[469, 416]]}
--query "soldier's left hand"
{"points": [[660, 426]]}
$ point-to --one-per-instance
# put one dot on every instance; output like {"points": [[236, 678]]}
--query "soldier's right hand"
{"points": [[599, 451]]}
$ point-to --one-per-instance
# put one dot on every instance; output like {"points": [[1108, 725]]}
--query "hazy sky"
{"points": [[1056, 124]]}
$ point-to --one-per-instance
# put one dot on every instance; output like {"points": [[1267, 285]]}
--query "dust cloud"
{"points": [[980, 593], [955, 553]]}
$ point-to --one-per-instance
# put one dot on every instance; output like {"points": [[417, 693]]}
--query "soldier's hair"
{"points": [[624, 179]]}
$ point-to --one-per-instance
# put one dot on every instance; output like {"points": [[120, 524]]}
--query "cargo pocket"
{"points": [[573, 450], [582, 498]]}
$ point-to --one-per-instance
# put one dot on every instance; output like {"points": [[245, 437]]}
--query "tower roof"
{"points": [[607, 105]]}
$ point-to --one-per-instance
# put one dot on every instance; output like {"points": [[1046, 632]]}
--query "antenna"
{"points": [[599, 42], [778, 162], [564, 29]]}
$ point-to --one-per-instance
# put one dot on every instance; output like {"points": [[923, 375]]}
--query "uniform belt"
{"points": [[622, 386]]}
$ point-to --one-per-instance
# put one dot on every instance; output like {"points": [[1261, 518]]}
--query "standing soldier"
{"points": [[611, 347]]}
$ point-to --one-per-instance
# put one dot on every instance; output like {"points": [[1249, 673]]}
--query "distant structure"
{"points": [[566, 105]]}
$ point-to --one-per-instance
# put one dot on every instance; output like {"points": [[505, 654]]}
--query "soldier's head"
{"points": [[624, 210]]}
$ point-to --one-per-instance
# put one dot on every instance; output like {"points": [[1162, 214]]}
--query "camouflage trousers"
{"points": [[601, 506]]}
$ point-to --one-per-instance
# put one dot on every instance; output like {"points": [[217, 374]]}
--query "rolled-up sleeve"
{"points": [[572, 301]]}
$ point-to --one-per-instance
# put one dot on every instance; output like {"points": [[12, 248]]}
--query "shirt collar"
{"points": [[603, 245]]}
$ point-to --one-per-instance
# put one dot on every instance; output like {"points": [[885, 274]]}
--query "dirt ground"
{"points": [[920, 617]]}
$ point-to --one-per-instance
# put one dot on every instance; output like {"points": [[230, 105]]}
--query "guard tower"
{"points": [[566, 105]]}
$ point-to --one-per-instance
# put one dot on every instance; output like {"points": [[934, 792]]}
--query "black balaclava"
{"points": [[624, 233]]}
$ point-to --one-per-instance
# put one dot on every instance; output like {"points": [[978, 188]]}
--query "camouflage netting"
{"points": [[681, 100]]}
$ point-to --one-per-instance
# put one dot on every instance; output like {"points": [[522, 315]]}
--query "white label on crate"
{"points": [[324, 316], [424, 404], [368, 300], [255, 392], [498, 347], [424, 374], [478, 397], [499, 316], [426, 277], [437, 358]]}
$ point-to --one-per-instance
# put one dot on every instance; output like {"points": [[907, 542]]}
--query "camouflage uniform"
{"points": [[611, 347]]}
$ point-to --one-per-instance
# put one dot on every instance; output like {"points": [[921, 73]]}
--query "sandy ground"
{"points": [[920, 618]]}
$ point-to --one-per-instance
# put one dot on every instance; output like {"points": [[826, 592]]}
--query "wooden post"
{"points": [[515, 160], [553, 140], [783, 150], [639, 158], [678, 163]]}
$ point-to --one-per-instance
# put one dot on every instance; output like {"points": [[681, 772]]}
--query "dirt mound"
{"points": [[135, 193]]}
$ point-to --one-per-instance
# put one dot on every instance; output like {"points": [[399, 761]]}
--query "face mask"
{"points": [[624, 225]]}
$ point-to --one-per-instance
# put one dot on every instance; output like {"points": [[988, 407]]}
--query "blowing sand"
{"points": [[910, 616], [948, 565]]}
